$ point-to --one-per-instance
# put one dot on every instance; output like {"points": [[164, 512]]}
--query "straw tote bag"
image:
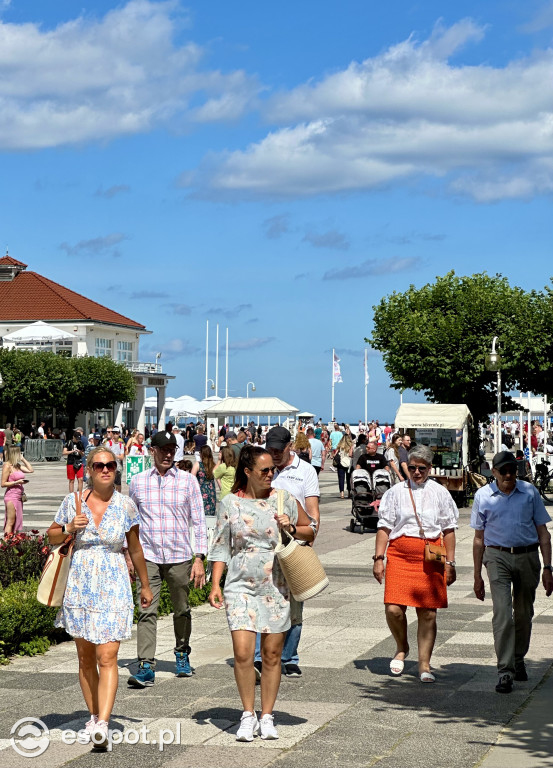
{"points": [[300, 566], [51, 587]]}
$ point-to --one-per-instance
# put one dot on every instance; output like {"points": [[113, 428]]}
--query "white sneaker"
{"points": [[91, 725], [249, 727], [99, 736], [268, 730]]}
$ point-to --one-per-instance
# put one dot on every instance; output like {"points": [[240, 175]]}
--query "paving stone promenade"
{"points": [[345, 712]]}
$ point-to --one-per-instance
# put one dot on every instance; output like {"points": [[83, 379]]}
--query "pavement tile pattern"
{"points": [[345, 711]]}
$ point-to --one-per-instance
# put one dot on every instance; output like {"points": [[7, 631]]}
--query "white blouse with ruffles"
{"points": [[435, 507]]}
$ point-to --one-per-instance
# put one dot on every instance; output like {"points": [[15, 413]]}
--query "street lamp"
{"points": [[247, 388], [212, 384], [493, 363]]}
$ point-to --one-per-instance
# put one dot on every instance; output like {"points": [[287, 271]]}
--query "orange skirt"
{"points": [[409, 580]]}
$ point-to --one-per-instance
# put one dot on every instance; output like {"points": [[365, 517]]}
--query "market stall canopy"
{"points": [[250, 406], [432, 416], [305, 415], [38, 333]]}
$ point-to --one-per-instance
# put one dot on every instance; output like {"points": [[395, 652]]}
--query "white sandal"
{"points": [[397, 665], [427, 677]]}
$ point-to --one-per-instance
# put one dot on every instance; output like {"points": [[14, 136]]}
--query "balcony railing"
{"points": [[136, 367]]}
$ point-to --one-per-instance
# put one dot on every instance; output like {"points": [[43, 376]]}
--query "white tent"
{"points": [[432, 416], [38, 333], [250, 406], [305, 415]]}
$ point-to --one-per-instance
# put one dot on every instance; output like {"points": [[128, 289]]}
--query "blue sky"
{"points": [[276, 168]]}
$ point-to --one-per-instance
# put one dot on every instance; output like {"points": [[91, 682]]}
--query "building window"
{"points": [[124, 351], [103, 348]]}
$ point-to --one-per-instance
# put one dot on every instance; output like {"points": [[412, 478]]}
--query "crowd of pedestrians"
{"points": [[262, 481]]}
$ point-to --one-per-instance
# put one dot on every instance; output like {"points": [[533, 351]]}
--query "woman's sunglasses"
{"points": [[266, 470], [98, 466]]}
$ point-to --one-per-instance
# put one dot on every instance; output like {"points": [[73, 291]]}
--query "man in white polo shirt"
{"points": [[300, 479]]}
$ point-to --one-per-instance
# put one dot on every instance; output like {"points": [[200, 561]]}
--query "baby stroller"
{"points": [[366, 492]]}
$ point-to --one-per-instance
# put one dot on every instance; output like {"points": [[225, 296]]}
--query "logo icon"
{"points": [[30, 737]]}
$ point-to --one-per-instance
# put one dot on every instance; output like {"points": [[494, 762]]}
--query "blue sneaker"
{"points": [[183, 664], [145, 676]]}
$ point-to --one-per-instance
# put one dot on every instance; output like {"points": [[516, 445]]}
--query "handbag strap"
{"points": [[421, 529]]}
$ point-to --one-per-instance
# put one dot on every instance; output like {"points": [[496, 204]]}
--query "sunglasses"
{"points": [[416, 468], [98, 466], [508, 470], [266, 470]]}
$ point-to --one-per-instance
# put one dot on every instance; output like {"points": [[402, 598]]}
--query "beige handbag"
{"points": [[53, 581], [300, 565]]}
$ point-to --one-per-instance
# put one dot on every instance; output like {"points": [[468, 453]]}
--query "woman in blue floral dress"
{"points": [[97, 606], [203, 472], [257, 598]]}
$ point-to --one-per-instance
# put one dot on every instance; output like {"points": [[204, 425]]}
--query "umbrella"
{"points": [[37, 333]]}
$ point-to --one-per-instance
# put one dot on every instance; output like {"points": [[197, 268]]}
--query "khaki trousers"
{"points": [[177, 576], [513, 583]]}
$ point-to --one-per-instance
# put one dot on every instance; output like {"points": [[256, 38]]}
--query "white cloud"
{"points": [[97, 246], [408, 112], [91, 79], [543, 19]]}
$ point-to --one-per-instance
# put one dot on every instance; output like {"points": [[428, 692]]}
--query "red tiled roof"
{"points": [[12, 262], [30, 297]]}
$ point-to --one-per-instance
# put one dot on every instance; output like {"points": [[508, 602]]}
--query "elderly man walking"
{"points": [[509, 520], [168, 501]]}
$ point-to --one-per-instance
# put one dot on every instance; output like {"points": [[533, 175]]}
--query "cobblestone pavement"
{"points": [[345, 711]]}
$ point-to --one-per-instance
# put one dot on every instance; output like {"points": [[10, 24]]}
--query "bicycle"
{"points": [[543, 480]]}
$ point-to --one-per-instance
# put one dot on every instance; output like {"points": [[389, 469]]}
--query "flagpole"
{"points": [[206, 355], [366, 387], [332, 409]]}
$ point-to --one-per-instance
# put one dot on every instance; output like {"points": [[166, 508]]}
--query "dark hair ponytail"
{"points": [[247, 460]]}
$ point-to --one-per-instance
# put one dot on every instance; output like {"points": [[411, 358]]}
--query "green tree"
{"points": [[435, 339], [34, 380], [100, 382]]}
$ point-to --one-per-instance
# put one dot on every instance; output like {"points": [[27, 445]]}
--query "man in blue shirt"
{"points": [[317, 450], [509, 521]]}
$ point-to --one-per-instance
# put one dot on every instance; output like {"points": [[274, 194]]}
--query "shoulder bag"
{"points": [[433, 553], [53, 581], [300, 566]]}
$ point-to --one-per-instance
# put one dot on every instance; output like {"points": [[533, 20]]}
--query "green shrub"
{"points": [[25, 624], [22, 556]]}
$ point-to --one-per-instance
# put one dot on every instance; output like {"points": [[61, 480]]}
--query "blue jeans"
{"points": [[290, 648]]}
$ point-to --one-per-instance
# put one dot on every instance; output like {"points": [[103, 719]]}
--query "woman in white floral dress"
{"points": [[257, 598], [97, 606]]}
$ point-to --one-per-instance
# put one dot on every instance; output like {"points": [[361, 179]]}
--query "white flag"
{"points": [[337, 373]]}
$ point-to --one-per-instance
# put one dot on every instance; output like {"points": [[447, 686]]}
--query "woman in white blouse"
{"points": [[409, 580]]}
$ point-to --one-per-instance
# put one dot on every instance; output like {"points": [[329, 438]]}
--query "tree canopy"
{"points": [[435, 340], [70, 384]]}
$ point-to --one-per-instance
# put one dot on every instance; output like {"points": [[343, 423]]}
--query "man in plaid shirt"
{"points": [[168, 500]]}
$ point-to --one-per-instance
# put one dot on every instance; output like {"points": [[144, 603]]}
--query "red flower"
{"points": [[35, 531], [45, 550]]}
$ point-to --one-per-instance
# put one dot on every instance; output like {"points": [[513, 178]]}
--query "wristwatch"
{"points": [[63, 529], [202, 557], [452, 563], [292, 532], [548, 568], [378, 557]]}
